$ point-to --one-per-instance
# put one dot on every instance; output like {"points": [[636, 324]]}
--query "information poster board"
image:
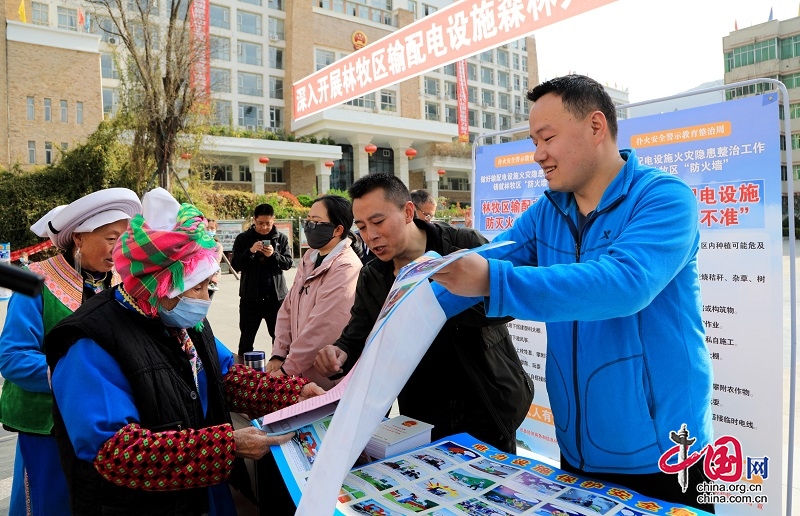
{"points": [[729, 153], [227, 231]]}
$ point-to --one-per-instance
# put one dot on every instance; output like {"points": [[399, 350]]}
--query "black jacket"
{"points": [[254, 266], [470, 379], [160, 376]]}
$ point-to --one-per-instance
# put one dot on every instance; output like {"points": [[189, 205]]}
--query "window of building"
{"points": [[450, 90], [428, 9], [220, 48], [524, 64], [388, 100], [431, 86], [244, 173], [431, 111], [222, 112], [249, 53], [251, 115], [795, 141], [48, 153], [454, 183], [365, 101], [504, 101], [219, 16], [505, 122], [248, 22], [67, 19], [502, 58], [473, 118], [472, 94], [449, 69], [218, 172], [32, 152], [503, 80], [220, 80], [251, 84], [790, 47], [517, 83], [275, 4], [472, 71], [515, 61], [40, 13], [489, 120], [450, 114], [487, 56], [276, 88], [276, 31], [794, 110], [382, 161], [323, 58], [783, 142], [275, 118], [487, 98], [791, 81], [79, 112], [795, 171], [110, 100], [145, 38], [276, 58], [48, 110], [107, 66], [143, 6], [30, 103], [274, 175], [487, 75], [64, 112]]}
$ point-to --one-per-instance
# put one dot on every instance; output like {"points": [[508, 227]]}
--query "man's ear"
{"points": [[410, 210], [599, 125]]}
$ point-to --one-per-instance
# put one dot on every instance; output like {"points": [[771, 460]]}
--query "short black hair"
{"points": [[580, 95], [339, 209], [264, 209], [420, 197], [393, 189]]}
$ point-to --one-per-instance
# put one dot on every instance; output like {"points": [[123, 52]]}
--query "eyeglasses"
{"points": [[311, 224], [263, 224], [425, 215]]}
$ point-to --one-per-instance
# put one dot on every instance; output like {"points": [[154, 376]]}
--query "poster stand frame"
{"points": [[790, 205]]}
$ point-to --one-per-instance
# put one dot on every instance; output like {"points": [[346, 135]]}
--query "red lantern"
{"points": [[186, 156], [329, 164], [441, 171], [263, 160], [370, 148], [411, 152]]}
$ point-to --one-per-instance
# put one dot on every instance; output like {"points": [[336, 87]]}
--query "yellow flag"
{"points": [[21, 12]]}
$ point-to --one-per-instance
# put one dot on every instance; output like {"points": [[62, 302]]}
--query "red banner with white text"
{"points": [[457, 31], [462, 99]]}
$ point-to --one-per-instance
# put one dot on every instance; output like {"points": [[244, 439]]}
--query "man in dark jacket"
{"points": [[261, 254], [470, 379]]}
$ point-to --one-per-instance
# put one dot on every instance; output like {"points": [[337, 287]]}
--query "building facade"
{"points": [[769, 50], [258, 48]]}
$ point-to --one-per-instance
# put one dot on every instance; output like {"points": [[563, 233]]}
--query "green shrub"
{"points": [[305, 200]]}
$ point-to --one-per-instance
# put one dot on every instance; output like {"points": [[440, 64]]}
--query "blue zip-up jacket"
{"points": [[626, 359]]}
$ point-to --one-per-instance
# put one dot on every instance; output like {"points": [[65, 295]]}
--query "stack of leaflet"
{"points": [[397, 435]]}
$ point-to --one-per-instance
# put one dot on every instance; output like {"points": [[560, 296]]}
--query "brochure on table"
{"points": [[459, 476], [407, 324]]}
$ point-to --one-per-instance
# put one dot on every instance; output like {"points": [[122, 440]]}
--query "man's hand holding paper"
{"points": [[468, 276]]}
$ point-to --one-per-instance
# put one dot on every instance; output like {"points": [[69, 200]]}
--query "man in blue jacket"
{"points": [[608, 259]]}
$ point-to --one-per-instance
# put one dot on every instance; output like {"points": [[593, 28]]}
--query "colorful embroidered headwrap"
{"points": [[156, 263]]}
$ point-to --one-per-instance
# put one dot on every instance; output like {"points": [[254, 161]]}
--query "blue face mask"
{"points": [[186, 314], [212, 234]]}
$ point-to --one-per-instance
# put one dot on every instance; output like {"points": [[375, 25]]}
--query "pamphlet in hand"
{"points": [[396, 435]]}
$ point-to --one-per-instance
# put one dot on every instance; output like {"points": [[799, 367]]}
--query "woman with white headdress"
{"points": [[85, 231]]}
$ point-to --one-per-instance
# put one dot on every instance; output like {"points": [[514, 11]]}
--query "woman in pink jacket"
{"points": [[317, 308]]}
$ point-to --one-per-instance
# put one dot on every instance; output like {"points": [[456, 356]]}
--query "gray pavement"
{"points": [[224, 319]]}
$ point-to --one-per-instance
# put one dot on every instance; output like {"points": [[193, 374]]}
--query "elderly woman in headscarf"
{"points": [[85, 231], [143, 389]]}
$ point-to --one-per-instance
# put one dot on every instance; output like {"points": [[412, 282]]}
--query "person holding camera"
{"points": [[261, 254]]}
